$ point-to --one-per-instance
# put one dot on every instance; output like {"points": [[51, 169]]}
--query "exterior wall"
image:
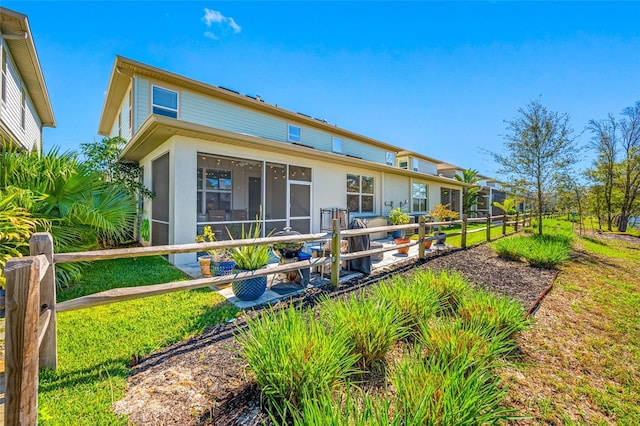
{"points": [[328, 184], [427, 167], [29, 137], [208, 111], [125, 126], [141, 101], [396, 188]]}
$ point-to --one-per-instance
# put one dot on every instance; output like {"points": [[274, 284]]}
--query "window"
{"points": [[390, 158], [360, 193], [165, 102], [419, 197], [403, 164], [294, 134], [336, 144], [414, 164], [120, 124]]}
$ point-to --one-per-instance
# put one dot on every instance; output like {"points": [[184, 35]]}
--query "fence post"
{"points": [[421, 234], [463, 237], [489, 227], [504, 224], [42, 243], [515, 225], [335, 253], [21, 357]]}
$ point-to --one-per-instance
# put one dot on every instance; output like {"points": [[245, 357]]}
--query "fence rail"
{"points": [[31, 308]]}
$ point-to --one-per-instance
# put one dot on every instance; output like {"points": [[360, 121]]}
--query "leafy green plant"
{"points": [[208, 236], [508, 206], [293, 356], [145, 230], [370, 324], [398, 217], [250, 257], [442, 213]]}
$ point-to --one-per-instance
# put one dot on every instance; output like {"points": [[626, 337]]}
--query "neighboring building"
{"points": [[24, 102], [214, 156]]}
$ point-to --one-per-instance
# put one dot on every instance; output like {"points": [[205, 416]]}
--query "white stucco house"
{"points": [[25, 107], [215, 156]]}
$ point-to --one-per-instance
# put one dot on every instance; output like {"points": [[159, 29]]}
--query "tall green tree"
{"points": [[604, 141], [470, 195], [616, 171], [539, 147]]}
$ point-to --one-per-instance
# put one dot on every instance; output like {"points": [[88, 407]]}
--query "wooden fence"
{"points": [[31, 342]]}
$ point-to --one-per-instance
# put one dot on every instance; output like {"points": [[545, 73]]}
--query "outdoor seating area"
{"points": [[281, 285]]}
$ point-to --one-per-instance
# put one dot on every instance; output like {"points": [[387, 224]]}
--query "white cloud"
{"points": [[222, 22]]}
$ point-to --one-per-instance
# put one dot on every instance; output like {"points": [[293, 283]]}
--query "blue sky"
{"points": [[436, 78]]}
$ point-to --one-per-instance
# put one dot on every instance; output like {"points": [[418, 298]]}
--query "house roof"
{"points": [[156, 129], [23, 51]]}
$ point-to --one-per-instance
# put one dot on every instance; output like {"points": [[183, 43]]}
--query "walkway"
{"points": [[279, 288]]}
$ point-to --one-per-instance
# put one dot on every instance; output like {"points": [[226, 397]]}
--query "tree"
{"points": [[538, 149], [470, 195], [630, 143], [605, 141]]}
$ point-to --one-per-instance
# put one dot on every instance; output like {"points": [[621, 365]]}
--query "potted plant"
{"points": [[398, 217], [217, 260], [442, 213], [250, 258]]}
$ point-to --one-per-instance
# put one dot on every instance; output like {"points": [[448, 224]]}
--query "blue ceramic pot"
{"points": [[249, 289]]}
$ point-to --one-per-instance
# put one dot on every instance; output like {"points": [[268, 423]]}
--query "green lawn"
{"points": [[95, 345]]}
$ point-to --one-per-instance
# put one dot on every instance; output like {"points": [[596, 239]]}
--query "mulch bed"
{"points": [[202, 381]]}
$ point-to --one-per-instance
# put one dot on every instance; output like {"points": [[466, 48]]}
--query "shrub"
{"points": [[292, 356], [370, 324], [412, 301]]}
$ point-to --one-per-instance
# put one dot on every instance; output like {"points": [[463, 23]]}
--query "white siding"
{"points": [[11, 110], [223, 115], [141, 102], [364, 151], [123, 118], [427, 167]]}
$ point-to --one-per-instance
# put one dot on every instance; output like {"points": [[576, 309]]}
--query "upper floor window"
{"points": [[403, 164], [419, 197], [294, 133], [130, 112], [336, 144], [360, 193], [415, 164], [390, 158], [165, 102]]}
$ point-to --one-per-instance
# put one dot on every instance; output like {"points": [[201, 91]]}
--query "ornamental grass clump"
{"points": [[449, 286], [411, 300], [450, 341], [354, 407], [437, 391], [292, 355], [498, 318], [545, 251], [371, 325]]}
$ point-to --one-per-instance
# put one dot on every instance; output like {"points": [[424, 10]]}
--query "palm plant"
{"points": [[471, 195], [508, 206], [66, 198]]}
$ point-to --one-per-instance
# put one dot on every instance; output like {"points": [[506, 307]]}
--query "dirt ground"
{"points": [[202, 380]]}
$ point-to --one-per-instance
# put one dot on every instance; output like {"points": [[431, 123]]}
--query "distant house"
{"points": [[213, 156], [24, 102]]}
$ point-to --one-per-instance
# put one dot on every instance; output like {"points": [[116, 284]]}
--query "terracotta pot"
{"points": [[427, 244], [205, 265], [404, 250]]}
